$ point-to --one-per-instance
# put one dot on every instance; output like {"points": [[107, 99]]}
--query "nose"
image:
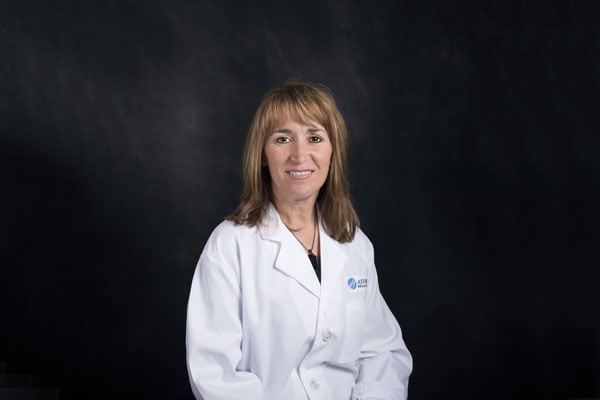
{"points": [[299, 152]]}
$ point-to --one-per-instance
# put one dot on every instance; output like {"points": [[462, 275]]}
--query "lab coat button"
{"points": [[326, 335], [314, 385]]}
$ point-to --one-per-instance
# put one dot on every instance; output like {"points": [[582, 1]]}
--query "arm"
{"points": [[214, 334], [385, 363]]}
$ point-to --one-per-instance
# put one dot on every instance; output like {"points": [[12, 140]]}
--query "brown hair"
{"points": [[306, 102]]}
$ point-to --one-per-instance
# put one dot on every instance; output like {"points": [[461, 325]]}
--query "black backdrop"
{"points": [[474, 168]]}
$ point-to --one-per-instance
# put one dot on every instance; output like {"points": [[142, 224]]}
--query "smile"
{"points": [[299, 174]]}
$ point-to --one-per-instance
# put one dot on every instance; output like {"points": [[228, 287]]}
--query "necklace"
{"points": [[314, 260], [312, 245]]}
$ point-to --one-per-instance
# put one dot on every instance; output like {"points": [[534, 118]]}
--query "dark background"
{"points": [[474, 167]]}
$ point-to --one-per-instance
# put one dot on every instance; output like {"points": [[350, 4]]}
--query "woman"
{"points": [[285, 302]]}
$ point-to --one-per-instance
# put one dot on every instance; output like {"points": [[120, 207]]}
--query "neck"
{"points": [[297, 216]]}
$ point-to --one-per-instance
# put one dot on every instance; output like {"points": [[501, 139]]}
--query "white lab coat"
{"points": [[261, 326]]}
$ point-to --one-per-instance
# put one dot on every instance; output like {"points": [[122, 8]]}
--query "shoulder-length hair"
{"points": [[304, 102]]}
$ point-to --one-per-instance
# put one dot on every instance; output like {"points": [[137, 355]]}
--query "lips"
{"points": [[299, 174]]}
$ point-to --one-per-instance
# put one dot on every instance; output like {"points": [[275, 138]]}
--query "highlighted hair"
{"points": [[303, 102]]}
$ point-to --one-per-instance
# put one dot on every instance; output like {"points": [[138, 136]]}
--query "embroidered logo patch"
{"points": [[357, 283]]}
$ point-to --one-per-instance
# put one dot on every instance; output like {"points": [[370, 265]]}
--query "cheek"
{"points": [[272, 161], [267, 157]]}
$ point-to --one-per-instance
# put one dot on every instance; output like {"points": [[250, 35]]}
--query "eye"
{"points": [[315, 139], [282, 139]]}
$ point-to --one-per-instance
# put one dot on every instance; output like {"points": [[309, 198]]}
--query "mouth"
{"points": [[299, 174]]}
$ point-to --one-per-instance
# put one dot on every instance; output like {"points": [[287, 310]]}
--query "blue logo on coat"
{"points": [[357, 283], [352, 283]]}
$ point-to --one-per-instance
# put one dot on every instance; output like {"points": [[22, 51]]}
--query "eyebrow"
{"points": [[285, 130], [282, 130]]}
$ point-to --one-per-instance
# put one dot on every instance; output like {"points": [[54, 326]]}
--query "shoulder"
{"points": [[227, 236], [229, 228], [362, 243], [360, 248]]}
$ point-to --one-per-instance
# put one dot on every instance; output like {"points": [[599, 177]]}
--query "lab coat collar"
{"points": [[292, 259]]}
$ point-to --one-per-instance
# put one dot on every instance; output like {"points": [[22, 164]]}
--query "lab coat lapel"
{"points": [[291, 259], [333, 261]]}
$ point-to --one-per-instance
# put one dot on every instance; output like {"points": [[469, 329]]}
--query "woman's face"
{"points": [[298, 156]]}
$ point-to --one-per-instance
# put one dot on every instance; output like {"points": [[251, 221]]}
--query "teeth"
{"points": [[299, 173]]}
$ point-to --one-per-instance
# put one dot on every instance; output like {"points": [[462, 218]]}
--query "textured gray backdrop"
{"points": [[474, 168]]}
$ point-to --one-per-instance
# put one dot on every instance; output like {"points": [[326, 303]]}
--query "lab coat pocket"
{"points": [[353, 334]]}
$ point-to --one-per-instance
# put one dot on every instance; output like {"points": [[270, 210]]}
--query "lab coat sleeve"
{"points": [[385, 363], [214, 334]]}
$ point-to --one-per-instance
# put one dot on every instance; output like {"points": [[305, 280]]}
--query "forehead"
{"points": [[287, 121], [302, 115], [300, 110]]}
